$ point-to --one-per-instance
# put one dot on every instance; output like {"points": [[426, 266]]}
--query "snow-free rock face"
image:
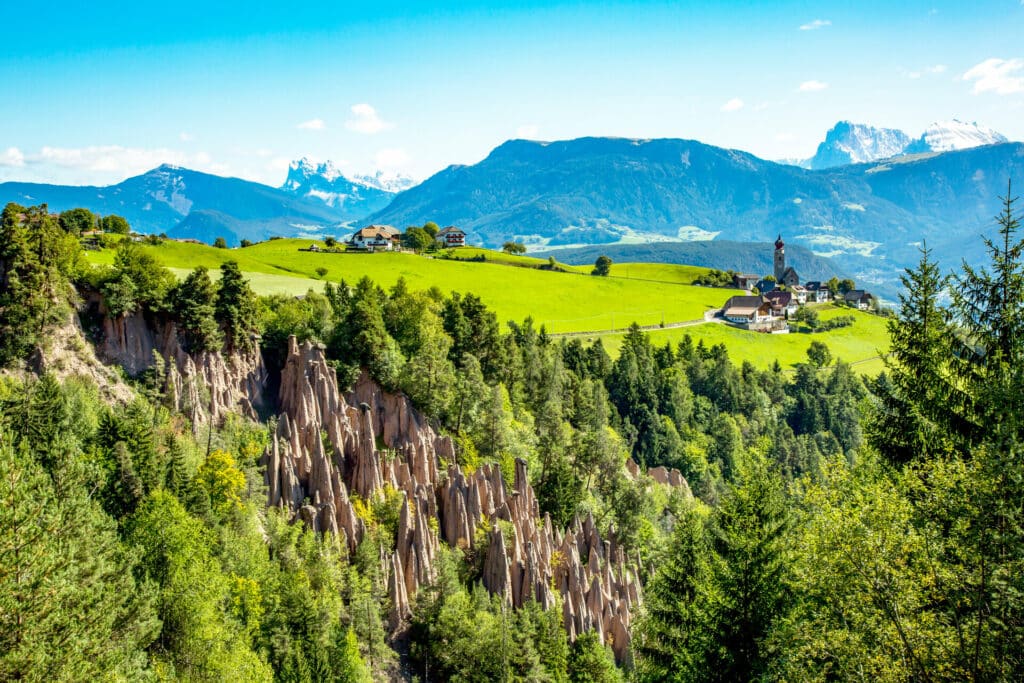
{"points": [[201, 385], [329, 447]]}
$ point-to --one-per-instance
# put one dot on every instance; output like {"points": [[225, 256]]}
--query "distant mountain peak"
{"points": [[307, 167], [355, 196], [946, 136], [855, 143]]}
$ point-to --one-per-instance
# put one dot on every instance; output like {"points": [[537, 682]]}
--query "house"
{"points": [[746, 309], [744, 280], [764, 286], [818, 292], [782, 303], [314, 247], [452, 237], [859, 298], [799, 293], [375, 238]]}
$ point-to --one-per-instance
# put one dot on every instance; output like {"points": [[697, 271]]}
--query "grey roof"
{"points": [[743, 302], [778, 297]]}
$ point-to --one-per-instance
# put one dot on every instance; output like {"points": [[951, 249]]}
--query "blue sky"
{"points": [[96, 94]]}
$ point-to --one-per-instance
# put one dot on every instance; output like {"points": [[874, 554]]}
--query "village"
{"points": [[775, 300]]}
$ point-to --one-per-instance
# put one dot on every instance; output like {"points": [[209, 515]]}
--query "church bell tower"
{"points": [[780, 259]]}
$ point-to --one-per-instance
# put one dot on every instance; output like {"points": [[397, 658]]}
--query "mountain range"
{"points": [[742, 257], [353, 198], [857, 143], [315, 199], [870, 217]]}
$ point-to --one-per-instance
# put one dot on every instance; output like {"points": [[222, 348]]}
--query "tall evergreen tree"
{"points": [[235, 307]]}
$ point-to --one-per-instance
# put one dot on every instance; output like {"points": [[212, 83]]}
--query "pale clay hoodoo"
{"points": [[598, 584], [313, 478]]}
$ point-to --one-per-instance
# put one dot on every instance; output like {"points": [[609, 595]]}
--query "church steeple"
{"points": [[780, 259]]}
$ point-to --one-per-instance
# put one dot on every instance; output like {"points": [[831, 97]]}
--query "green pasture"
{"points": [[561, 301], [861, 344]]}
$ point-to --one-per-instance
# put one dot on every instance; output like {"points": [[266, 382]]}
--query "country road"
{"points": [[709, 317]]}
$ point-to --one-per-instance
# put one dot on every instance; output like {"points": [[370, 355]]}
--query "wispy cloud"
{"points": [[527, 131], [735, 104], [185, 136], [366, 120], [812, 86], [12, 156], [1001, 76], [815, 25], [312, 124], [933, 70]]}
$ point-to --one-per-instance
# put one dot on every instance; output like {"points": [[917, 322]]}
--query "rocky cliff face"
{"points": [[328, 447], [202, 385]]}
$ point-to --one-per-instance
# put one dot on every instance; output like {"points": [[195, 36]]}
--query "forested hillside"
{"points": [[367, 484]]}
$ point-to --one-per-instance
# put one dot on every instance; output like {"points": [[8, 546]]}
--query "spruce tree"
{"points": [[235, 307]]}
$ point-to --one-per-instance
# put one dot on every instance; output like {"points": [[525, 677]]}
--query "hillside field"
{"points": [[572, 301], [561, 301], [861, 344]]}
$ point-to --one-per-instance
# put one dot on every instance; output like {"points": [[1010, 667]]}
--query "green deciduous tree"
{"points": [[114, 224]]}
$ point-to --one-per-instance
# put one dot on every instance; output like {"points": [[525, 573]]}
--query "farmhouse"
{"points": [[799, 293], [375, 238], [859, 298], [744, 280], [452, 237], [818, 292], [782, 303], [746, 309]]}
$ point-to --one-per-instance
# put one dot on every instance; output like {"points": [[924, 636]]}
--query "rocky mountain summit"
{"points": [[858, 143], [352, 198]]}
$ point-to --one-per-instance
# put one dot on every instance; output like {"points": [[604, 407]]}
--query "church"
{"points": [[784, 275]]}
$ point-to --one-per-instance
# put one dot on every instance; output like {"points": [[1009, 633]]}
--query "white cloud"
{"points": [[815, 25], [114, 158], [312, 124], [527, 131], [785, 137], [366, 120], [812, 86], [185, 136], [996, 75], [735, 104], [12, 156], [936, 69], [391, 159]]}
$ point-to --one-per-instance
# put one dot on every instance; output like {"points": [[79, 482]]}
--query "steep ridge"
{"points": [[325, 451], [203, 385]]}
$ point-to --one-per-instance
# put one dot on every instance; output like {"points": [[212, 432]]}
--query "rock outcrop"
{"points": [[329, 448], [202, 385]]}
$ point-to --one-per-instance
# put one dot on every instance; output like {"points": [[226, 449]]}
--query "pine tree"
{"points": [[675, 632], [235, 307], [988, 304], [193, 304]]}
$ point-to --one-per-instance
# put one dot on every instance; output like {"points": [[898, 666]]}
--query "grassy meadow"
{"points": [[570, 301], [861, 344], [561, 301]]}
